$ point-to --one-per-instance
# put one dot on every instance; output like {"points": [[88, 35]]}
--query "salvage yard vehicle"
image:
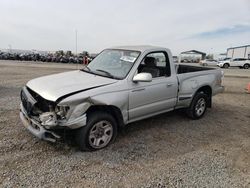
{"points": [[237, 62], [224, 63], [121, 85], [209, 62]]}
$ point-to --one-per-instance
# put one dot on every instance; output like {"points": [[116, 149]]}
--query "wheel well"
{"points": [[208, 91], [113, 110]]}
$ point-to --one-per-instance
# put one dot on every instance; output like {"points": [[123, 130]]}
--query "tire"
{"points": [[246, 66], [198, 106], [226, 66], [92, 136]]}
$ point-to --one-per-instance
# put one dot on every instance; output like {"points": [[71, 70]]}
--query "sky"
{"points": [[211, 26]]}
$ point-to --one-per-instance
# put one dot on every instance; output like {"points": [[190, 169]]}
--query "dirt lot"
{"points": [[165, 151]]}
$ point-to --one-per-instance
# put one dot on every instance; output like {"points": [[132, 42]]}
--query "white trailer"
{"points": [[239, 52]]}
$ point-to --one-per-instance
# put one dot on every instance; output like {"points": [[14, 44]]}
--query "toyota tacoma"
{"points": [[121, 85]]}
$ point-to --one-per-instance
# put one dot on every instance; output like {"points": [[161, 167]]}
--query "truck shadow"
{"points": [[165, 136], [173, 134]]}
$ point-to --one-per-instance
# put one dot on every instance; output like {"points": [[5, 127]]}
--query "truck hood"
{"points": [[55, 86]]}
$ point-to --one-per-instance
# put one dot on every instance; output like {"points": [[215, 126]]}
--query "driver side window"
{"points": [[156, 63]]}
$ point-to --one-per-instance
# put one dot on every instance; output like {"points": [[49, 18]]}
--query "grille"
{"points": [[26, 104]]}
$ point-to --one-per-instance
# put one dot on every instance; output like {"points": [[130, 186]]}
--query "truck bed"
{"points": [[180, 69], [191, 78]]}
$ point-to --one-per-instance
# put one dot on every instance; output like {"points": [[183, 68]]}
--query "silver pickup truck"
{"points": [[121, 85]]}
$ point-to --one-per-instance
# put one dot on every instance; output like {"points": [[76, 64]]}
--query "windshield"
{"points": [[113, 63]]}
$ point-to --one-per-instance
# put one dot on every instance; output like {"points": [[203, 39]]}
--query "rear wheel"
{"points": [[226, 66], [198, 106], [246, 66], [100, 131]]}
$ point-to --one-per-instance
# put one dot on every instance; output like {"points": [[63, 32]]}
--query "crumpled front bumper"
{"points": [[36, 128], [41, 132]]}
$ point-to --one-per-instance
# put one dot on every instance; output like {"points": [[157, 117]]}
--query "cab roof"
{"points": [[140, 48]]}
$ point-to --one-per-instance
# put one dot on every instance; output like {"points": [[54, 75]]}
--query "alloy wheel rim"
{"points": [[100, 134], [200, 106]]}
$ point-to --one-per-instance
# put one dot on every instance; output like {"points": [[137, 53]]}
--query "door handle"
{"points": [[169, 84], [141, 89]]}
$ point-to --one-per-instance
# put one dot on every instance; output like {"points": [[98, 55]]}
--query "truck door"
{"points": [[159, 95]]}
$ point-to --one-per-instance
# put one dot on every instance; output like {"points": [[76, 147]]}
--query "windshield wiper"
{"points": [[89, 70], [106, 72]]}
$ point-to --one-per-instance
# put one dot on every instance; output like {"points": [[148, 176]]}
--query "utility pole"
{"points": [[76, 47], [10, 48], [76, 41]]}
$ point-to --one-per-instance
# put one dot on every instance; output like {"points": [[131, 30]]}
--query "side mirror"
{"points": [[143, 77]]}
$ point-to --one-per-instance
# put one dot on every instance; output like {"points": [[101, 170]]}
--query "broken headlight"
{"points": [[61, 111], [72, 112]]}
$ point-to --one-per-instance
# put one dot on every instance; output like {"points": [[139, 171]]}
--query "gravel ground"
{"points": [[165, 151]]}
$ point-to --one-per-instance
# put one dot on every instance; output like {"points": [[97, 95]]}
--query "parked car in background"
{"points": [[209, 62], [224, 63], [121, 85], [238, 62]]}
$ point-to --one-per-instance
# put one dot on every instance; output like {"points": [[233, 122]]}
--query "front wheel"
{"points": [[226, 66], [246, 66], [198, 106], [100, 131]]}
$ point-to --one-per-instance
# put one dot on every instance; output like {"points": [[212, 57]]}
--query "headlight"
{"points": [[72, 112], [62, 111]]}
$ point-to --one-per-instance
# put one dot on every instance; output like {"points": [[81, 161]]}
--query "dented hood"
{"points": [[55, 86]]}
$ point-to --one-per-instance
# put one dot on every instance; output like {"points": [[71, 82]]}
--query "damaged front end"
{"points": [[46, 119]]}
